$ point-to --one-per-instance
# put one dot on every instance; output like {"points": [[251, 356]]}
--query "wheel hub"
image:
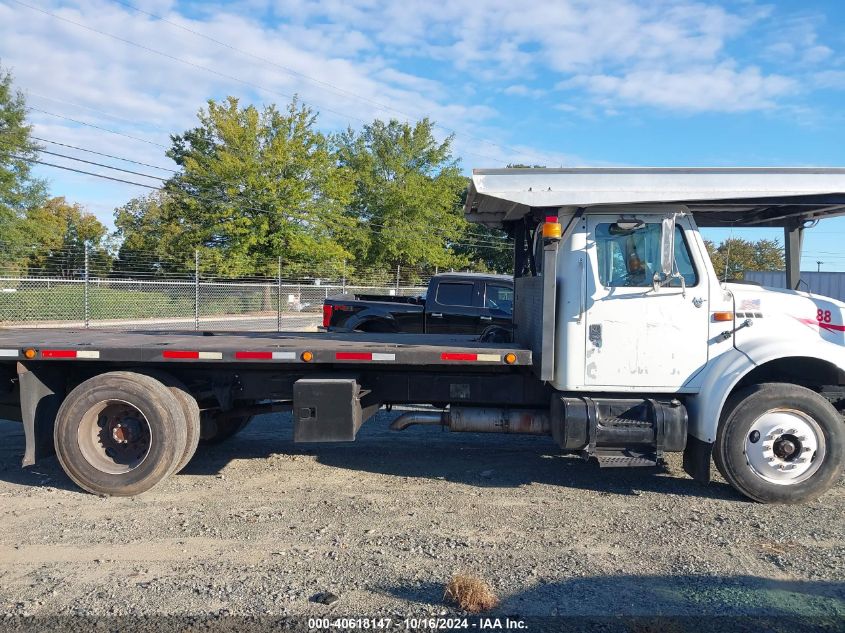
{"points": [[784, 446], [115, 438]]}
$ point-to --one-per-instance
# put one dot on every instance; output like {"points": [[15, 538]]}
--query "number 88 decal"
{"points": [[823, 316]]}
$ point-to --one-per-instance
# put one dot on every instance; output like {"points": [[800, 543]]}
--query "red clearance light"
{"points": [[327, 314]]}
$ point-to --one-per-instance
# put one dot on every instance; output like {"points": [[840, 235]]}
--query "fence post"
{"points": [[397, 279], [343, 278], [279, 307], [85, 299], [196, 289]]}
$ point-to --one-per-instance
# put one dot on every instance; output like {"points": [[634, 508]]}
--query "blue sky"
{"points": [[570, 82]]}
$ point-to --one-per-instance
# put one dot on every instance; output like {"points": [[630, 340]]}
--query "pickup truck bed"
{"points": [[255, 347]]}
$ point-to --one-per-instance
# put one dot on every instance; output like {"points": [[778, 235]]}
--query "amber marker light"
{"points": [[307, 356], [723, 316], [510, 358], [29, 353], [551, 228]]}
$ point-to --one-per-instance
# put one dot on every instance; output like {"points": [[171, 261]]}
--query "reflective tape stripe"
{"points": [[69, 353], [457, 356], [353, 356], [265, 355], [8, 353], [481, 358], [175, 353], [363, 356], [58, 353]]}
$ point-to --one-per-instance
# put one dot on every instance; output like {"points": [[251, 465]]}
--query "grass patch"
{"points": [[470, 593]]}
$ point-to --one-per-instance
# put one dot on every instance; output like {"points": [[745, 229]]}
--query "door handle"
{"points": [[436, 315], [486, 318]]}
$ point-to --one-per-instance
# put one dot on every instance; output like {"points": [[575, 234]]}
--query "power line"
{"points": [[87, 173], [97, 127], [86, 107], [90, 162], [91, 151]]}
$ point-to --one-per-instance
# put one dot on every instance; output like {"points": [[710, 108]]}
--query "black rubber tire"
{"points": [[744, 408], [164, 416], [190, 409], [214, 431]]}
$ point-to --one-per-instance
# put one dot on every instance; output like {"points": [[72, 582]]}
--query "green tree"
{"points": [[60, 233], [150, 235], [254, 186], [408, 189], [740, 255], [19, 189]]}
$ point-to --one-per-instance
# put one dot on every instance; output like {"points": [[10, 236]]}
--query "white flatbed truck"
{"points": [[627, 345]]}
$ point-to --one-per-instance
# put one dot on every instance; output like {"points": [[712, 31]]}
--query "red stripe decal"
{"points": [[254, 355], [830, 327], [457, 356], [58, 353], [353, 356], [175, 353]]}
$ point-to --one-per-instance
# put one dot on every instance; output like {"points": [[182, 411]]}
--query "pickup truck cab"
{"points": [[455, 303]]}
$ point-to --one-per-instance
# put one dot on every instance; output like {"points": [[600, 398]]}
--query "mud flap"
{"points": [[42, 390], [697, 459]]}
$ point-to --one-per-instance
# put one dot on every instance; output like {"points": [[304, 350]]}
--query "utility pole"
{"points": [[819, 266]]}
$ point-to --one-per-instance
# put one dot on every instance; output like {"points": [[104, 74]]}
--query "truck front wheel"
{"points": [[120, 433], [780, 443]]}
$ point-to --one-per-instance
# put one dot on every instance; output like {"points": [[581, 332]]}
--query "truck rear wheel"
{"points": [[120, 433], [780, 443], [192, 415]]}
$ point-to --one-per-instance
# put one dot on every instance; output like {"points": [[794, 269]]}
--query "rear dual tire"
{"points": [[121, 433], [780, 443]]}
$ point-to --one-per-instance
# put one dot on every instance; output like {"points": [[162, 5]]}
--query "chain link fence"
{"points": [[186, 300]]}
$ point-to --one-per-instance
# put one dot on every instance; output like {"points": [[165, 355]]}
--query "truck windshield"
{"points": [[632, 258]]}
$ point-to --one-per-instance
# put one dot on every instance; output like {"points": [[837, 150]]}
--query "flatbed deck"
{"points": [[256, 347]]}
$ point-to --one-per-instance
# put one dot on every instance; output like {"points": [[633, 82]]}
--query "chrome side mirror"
{"points": [[668, 272], [667, 246]]}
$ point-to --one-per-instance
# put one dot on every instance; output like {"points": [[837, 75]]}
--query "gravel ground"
{"points": [[259, 526]]}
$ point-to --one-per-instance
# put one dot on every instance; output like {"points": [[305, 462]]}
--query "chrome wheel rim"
{"points": [[784, 447], [114, 437]]}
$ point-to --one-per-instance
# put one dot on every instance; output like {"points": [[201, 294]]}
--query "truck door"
{"points": [[452, 307], [639, 337]]}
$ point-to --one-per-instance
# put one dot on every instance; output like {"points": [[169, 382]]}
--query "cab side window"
{"points": [[499, 298], [631, 258], [454, 294]]}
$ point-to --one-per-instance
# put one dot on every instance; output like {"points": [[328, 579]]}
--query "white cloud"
{"points": [[521, 90], [720, 89]]}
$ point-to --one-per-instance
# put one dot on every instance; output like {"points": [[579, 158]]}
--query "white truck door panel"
{"points": [[638, 337]]}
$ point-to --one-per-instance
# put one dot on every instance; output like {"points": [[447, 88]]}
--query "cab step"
{"points": [[617, 460]]}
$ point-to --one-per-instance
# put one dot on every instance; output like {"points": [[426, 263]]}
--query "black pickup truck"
{"points": [[455, 303]]}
